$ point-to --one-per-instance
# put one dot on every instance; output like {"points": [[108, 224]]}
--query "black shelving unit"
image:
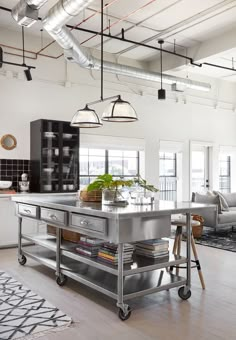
{"points": [[54, 154]]}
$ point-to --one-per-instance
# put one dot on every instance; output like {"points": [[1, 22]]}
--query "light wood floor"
{"points": [[209, 314]]}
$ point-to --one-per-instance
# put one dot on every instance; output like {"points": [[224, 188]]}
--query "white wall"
{"points": [[22, 102], [47, 97]]}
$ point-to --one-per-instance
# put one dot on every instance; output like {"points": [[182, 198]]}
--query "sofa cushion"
{"points": [[230, 199], [232, 209], [223, 202], [207, 199], [227, 217]]}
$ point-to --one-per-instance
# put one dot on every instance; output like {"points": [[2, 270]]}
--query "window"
{"points": [[119, 163], [167, 176], [225, 174]]}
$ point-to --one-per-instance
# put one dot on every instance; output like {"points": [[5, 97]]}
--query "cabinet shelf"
{"points": [[48, 152]]}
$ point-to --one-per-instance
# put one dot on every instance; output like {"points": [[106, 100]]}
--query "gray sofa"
{"points": [[224, 215]]}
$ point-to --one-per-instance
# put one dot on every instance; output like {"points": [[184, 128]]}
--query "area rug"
{"points": [[223, 239], [24, 314]]}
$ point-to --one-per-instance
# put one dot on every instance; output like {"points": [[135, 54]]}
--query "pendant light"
{"points": [[119, 111], [161, 91], [86, 118]]}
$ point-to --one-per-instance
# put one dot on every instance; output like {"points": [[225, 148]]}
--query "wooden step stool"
{"points": [[180, 223]]}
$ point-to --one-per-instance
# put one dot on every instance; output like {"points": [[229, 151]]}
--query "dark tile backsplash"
{"points": [[12, 169]]}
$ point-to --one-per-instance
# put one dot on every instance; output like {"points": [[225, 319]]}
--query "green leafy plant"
{"points": [[141, 182], [106, 181]]}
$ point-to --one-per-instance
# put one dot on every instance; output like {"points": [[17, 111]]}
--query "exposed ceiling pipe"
{"points": [[25, 12], [62, 12]]}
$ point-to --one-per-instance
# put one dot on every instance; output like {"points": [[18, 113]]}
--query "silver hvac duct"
{"points": [[25, 12], [62, 12]]}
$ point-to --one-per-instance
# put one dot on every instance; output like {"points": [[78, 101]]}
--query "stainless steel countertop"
{"points": [[69, 203], [33, 193]]}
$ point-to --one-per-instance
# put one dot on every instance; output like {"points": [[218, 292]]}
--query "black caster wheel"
{"points": [[182, 294], [124, 316], [22, 260], [171, 269], [61, 280]]}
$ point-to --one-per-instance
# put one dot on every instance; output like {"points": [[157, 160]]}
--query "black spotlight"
{"points": [[161, 94], [28, 74]]}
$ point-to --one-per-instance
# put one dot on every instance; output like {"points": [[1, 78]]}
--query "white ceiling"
{"points": [[188, 23]]}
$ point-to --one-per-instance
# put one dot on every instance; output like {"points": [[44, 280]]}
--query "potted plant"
{"points": [[112, 189], [144, 193]]}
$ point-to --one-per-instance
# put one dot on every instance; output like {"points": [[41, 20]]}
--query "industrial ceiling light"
{"points": [[27, 71], [28, 74], [86, 118], [119, 111], [161, 91]]}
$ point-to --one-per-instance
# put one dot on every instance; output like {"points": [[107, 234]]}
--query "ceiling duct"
{"points": [[25, 13], [62, 12]]}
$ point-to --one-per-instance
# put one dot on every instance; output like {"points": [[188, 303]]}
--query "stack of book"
{"points": [[89, 246], [155, 249], [108, 253]]}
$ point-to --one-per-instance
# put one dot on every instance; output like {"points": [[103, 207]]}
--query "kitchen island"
{"points": [[119, 225]]}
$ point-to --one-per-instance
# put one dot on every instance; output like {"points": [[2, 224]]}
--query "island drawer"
{"points": [[53, 215], [97, 225], [28, 210]]}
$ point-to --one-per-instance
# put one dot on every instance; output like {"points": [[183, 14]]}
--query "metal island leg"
{"points": [[60, 278], [21, 257], [124, 309], [185, 292]]}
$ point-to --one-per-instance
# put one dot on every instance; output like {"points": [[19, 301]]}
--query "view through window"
{"points": [[119, 163], [225, 174], [167, 176]]}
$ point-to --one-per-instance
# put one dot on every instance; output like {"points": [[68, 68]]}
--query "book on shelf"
{"points": [[112, 257], [91, 240], [105, 260], [86, 252], [152, 255]]}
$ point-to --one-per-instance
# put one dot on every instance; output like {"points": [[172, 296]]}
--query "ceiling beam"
{"points": [[205, 51]]}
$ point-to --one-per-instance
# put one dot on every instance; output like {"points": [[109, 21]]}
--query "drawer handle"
{"points": [[84, 223], [27, 211], [53, 217]]}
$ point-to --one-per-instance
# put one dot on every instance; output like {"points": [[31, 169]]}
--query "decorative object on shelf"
{"points": [[24, 183], [118, 110], [8, 142], [113, 192], [161, 91], [144, 193]]}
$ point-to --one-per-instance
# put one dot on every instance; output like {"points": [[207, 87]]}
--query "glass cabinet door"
{"points": [[70, 158], [50, 156]]}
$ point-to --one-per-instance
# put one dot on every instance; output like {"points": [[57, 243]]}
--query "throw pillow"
{"points": [[223, 202], [230, 199], [201, 198]]}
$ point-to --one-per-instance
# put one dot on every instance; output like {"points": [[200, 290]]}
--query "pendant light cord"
{"points": [[23, 44], [102, 51], [161, 66]]}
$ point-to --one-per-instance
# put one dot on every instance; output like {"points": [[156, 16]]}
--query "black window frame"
{"points": [[225, 178], [168, 194], [123, 176]]}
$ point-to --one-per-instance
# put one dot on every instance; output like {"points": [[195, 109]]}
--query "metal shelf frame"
{"points": [[120, 283]]}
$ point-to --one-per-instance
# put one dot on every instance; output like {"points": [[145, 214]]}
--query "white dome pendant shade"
{"points": [[86, 118], [119, 111]]}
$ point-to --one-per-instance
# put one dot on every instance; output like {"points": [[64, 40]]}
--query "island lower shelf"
{"points": [[135, 285], [140, 264]]}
